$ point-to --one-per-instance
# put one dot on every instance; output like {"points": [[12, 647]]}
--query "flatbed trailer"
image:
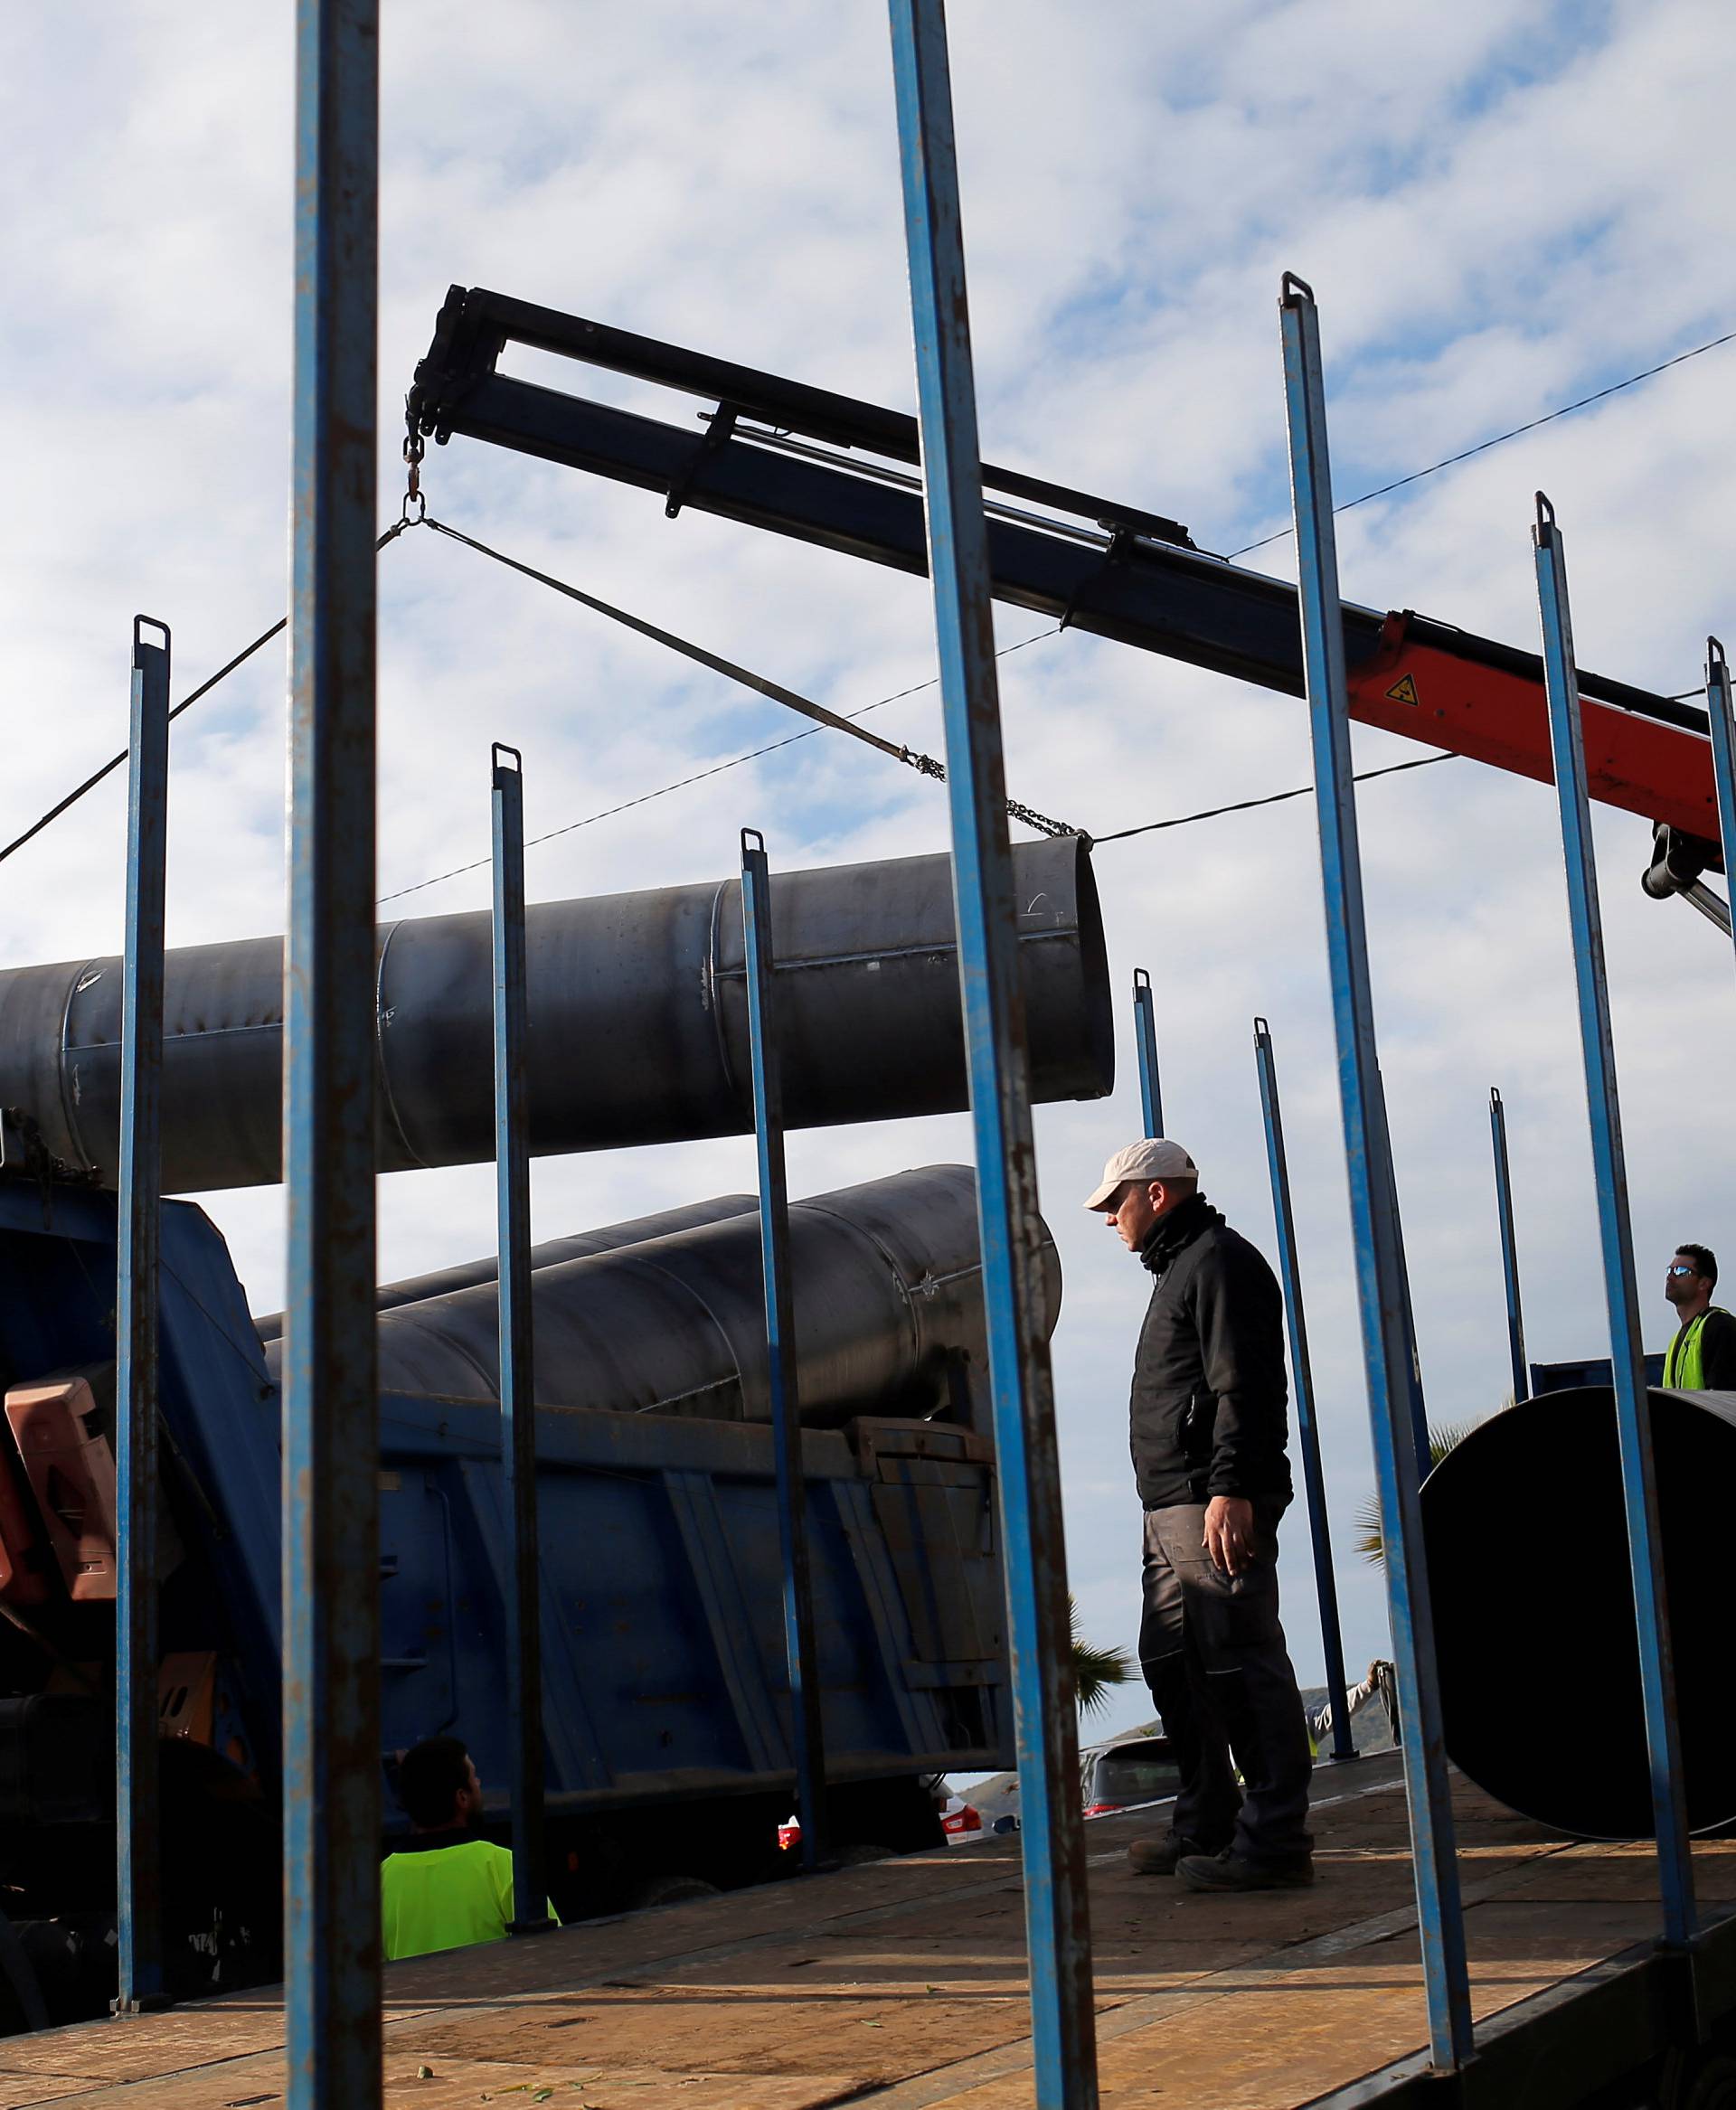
{"points": [[902, 1984]]}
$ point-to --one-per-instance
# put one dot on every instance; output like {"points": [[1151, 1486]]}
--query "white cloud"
{"points": [[1502, 210]]}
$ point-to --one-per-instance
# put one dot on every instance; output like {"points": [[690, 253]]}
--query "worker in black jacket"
{"points": [[1209, 1432]]}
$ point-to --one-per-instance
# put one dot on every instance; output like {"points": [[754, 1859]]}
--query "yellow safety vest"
{"points": [[1682, 1367], [445, 1897]]}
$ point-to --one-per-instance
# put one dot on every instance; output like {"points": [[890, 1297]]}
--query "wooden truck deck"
{"points": [[901, 1985]]}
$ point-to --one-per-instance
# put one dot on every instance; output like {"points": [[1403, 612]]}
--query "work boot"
{"points": [[1160, 1855], [1230, 1871]]}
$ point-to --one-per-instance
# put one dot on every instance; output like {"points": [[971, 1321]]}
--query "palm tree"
{"points": [[1095, 1670], [1370, 1543]]}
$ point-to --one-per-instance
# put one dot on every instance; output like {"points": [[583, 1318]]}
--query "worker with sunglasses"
{"points": [[1703, 1356]]}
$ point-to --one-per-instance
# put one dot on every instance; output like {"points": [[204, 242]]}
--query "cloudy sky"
{"points": [[1501, 207]]}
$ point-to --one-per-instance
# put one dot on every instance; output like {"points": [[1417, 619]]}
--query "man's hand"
{"points": [[1230, 1533]]}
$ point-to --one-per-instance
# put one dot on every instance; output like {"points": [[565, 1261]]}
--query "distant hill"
{"points": [[1369, 1731]]}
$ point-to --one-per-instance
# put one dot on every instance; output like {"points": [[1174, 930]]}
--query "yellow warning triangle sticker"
{"points": [[1403, 691]]}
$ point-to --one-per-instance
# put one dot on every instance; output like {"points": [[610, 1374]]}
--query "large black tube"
{"points": [[638, 1016], [888, 1314], [1527, 1548], [414, 1289]]}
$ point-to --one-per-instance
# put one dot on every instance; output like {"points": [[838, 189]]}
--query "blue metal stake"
{"points": [[1057, 1911], [807, 1723], [1306, 1428], [518, 1347], [1388, 1346], [1144, 1026], [1723, 758], [1509, 1246], [137, 1818], [1411, 1375], [1633, 1412], [331, 1523]]}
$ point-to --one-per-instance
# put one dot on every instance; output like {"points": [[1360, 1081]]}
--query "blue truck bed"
{"points": [[665, 1693]]}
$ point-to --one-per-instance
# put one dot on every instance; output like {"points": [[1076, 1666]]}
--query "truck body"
{"points": [[665, 1693]]}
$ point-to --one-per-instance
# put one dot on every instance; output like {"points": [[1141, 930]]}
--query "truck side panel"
{"points": [[664, 1647]]}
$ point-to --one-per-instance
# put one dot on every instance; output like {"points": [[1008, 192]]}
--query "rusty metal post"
{"points": [[517, 1345], [331, 1527], [801, 1648], [138, 1902]]}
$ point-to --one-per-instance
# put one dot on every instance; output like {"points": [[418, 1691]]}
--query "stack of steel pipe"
{"points": [[888, 1297], [638, 1014], [638, 1230]]}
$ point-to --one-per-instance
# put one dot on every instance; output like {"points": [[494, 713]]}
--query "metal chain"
{"points": [[415, 447]]}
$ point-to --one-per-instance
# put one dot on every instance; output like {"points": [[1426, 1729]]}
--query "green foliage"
{"points": [[1369, 1541], [1096, 1670]]}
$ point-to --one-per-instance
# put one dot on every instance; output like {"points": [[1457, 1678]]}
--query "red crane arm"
{"points": [[1427, 691]]}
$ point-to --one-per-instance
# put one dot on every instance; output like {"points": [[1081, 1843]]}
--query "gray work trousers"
{"points": [[1212, 1652]]}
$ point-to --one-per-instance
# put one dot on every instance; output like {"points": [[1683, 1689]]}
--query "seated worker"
{"points": [[444, 1888]]}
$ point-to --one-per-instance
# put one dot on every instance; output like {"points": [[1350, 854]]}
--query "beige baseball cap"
{"points": [[1153, 1157]]}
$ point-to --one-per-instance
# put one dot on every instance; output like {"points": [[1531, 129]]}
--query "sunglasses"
{"points": [[1680, 1267]]}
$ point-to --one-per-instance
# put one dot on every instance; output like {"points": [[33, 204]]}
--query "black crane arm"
{"points": [[819, 466]]}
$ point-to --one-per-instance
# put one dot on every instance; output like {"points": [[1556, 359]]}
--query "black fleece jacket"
{"points": [[1209, 1391]]}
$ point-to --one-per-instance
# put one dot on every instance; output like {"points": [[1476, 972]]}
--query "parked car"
{"points": [[960, 1821], [1119, 1775]]}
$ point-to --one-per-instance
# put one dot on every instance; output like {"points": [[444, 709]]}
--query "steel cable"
{"points": [[1483, 445], [187, 704], [1244, 806], [823, 718], [830, 720]]}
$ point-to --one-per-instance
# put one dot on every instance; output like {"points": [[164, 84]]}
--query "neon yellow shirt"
{"points": [[445, 1897]]}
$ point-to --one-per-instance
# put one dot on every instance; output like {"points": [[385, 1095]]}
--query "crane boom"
{"points": [[828, 469]]}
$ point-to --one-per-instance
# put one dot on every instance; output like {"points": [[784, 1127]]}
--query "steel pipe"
{"points": [[552, 1252], [1615, 1233], [1509, 1245], [1539, 1660], [1396, 1415], [990, 898], [138, 1818], [801, 1649], [512, 1310], [1145, 1035], [1721, 719], [414, 1289], [888, 1314], [322, 1056], [1307, 1425], [650, 985]]}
